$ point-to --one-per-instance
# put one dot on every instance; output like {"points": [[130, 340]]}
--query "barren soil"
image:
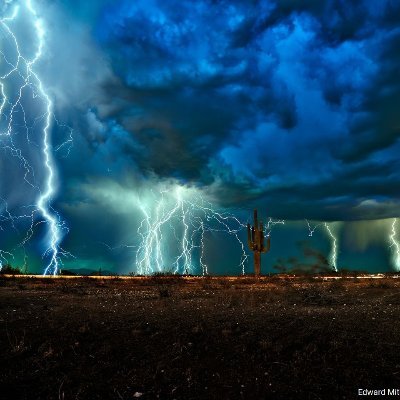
{"points": [[206, 338]]}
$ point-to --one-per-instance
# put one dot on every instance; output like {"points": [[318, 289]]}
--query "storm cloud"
{"points": [[260, 102]]}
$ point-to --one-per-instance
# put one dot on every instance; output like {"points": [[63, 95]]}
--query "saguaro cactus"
{"points": [[255, 239]]}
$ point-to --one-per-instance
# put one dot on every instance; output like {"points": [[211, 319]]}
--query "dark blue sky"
{"points": [[285, 106]]}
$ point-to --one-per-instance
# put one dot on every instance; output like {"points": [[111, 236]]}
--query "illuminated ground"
{"points": [[198, 338]]}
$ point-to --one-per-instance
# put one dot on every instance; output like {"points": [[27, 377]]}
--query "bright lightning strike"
{"points": [[396, 246], [20, 84], [173, 232], [270, 224], [311, 229], [333, 254]]}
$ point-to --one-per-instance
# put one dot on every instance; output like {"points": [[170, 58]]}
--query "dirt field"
{"points": [[209, 338]]}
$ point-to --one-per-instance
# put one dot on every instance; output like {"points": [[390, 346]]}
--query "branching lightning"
{"points": [[18, 69], [270, 224], [395, 245], [311, 229], [175, 228]]}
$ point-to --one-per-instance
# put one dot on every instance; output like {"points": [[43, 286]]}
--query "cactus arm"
{"points": [[268, 246], [249, 238], [268, 243]]}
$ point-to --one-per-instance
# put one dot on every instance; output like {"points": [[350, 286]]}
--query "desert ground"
{"points": [[279, 337]]}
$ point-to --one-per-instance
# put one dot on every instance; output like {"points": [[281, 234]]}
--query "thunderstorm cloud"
{"points": [[261, 103]]}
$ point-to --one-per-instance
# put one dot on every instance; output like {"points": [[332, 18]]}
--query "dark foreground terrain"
{"points": [[175, 338]]}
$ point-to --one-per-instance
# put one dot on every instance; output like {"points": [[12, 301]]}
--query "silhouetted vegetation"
{"points": [[8, 269], [66, 272]]}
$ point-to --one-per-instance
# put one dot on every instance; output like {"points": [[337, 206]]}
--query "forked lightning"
{"points": [[21, 71]]}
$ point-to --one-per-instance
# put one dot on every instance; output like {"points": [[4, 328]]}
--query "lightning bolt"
{"points": [[178, 224], [396, 246], [311, 229], [21, 72], [204, 266], [333, 253], [270, 225]]}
